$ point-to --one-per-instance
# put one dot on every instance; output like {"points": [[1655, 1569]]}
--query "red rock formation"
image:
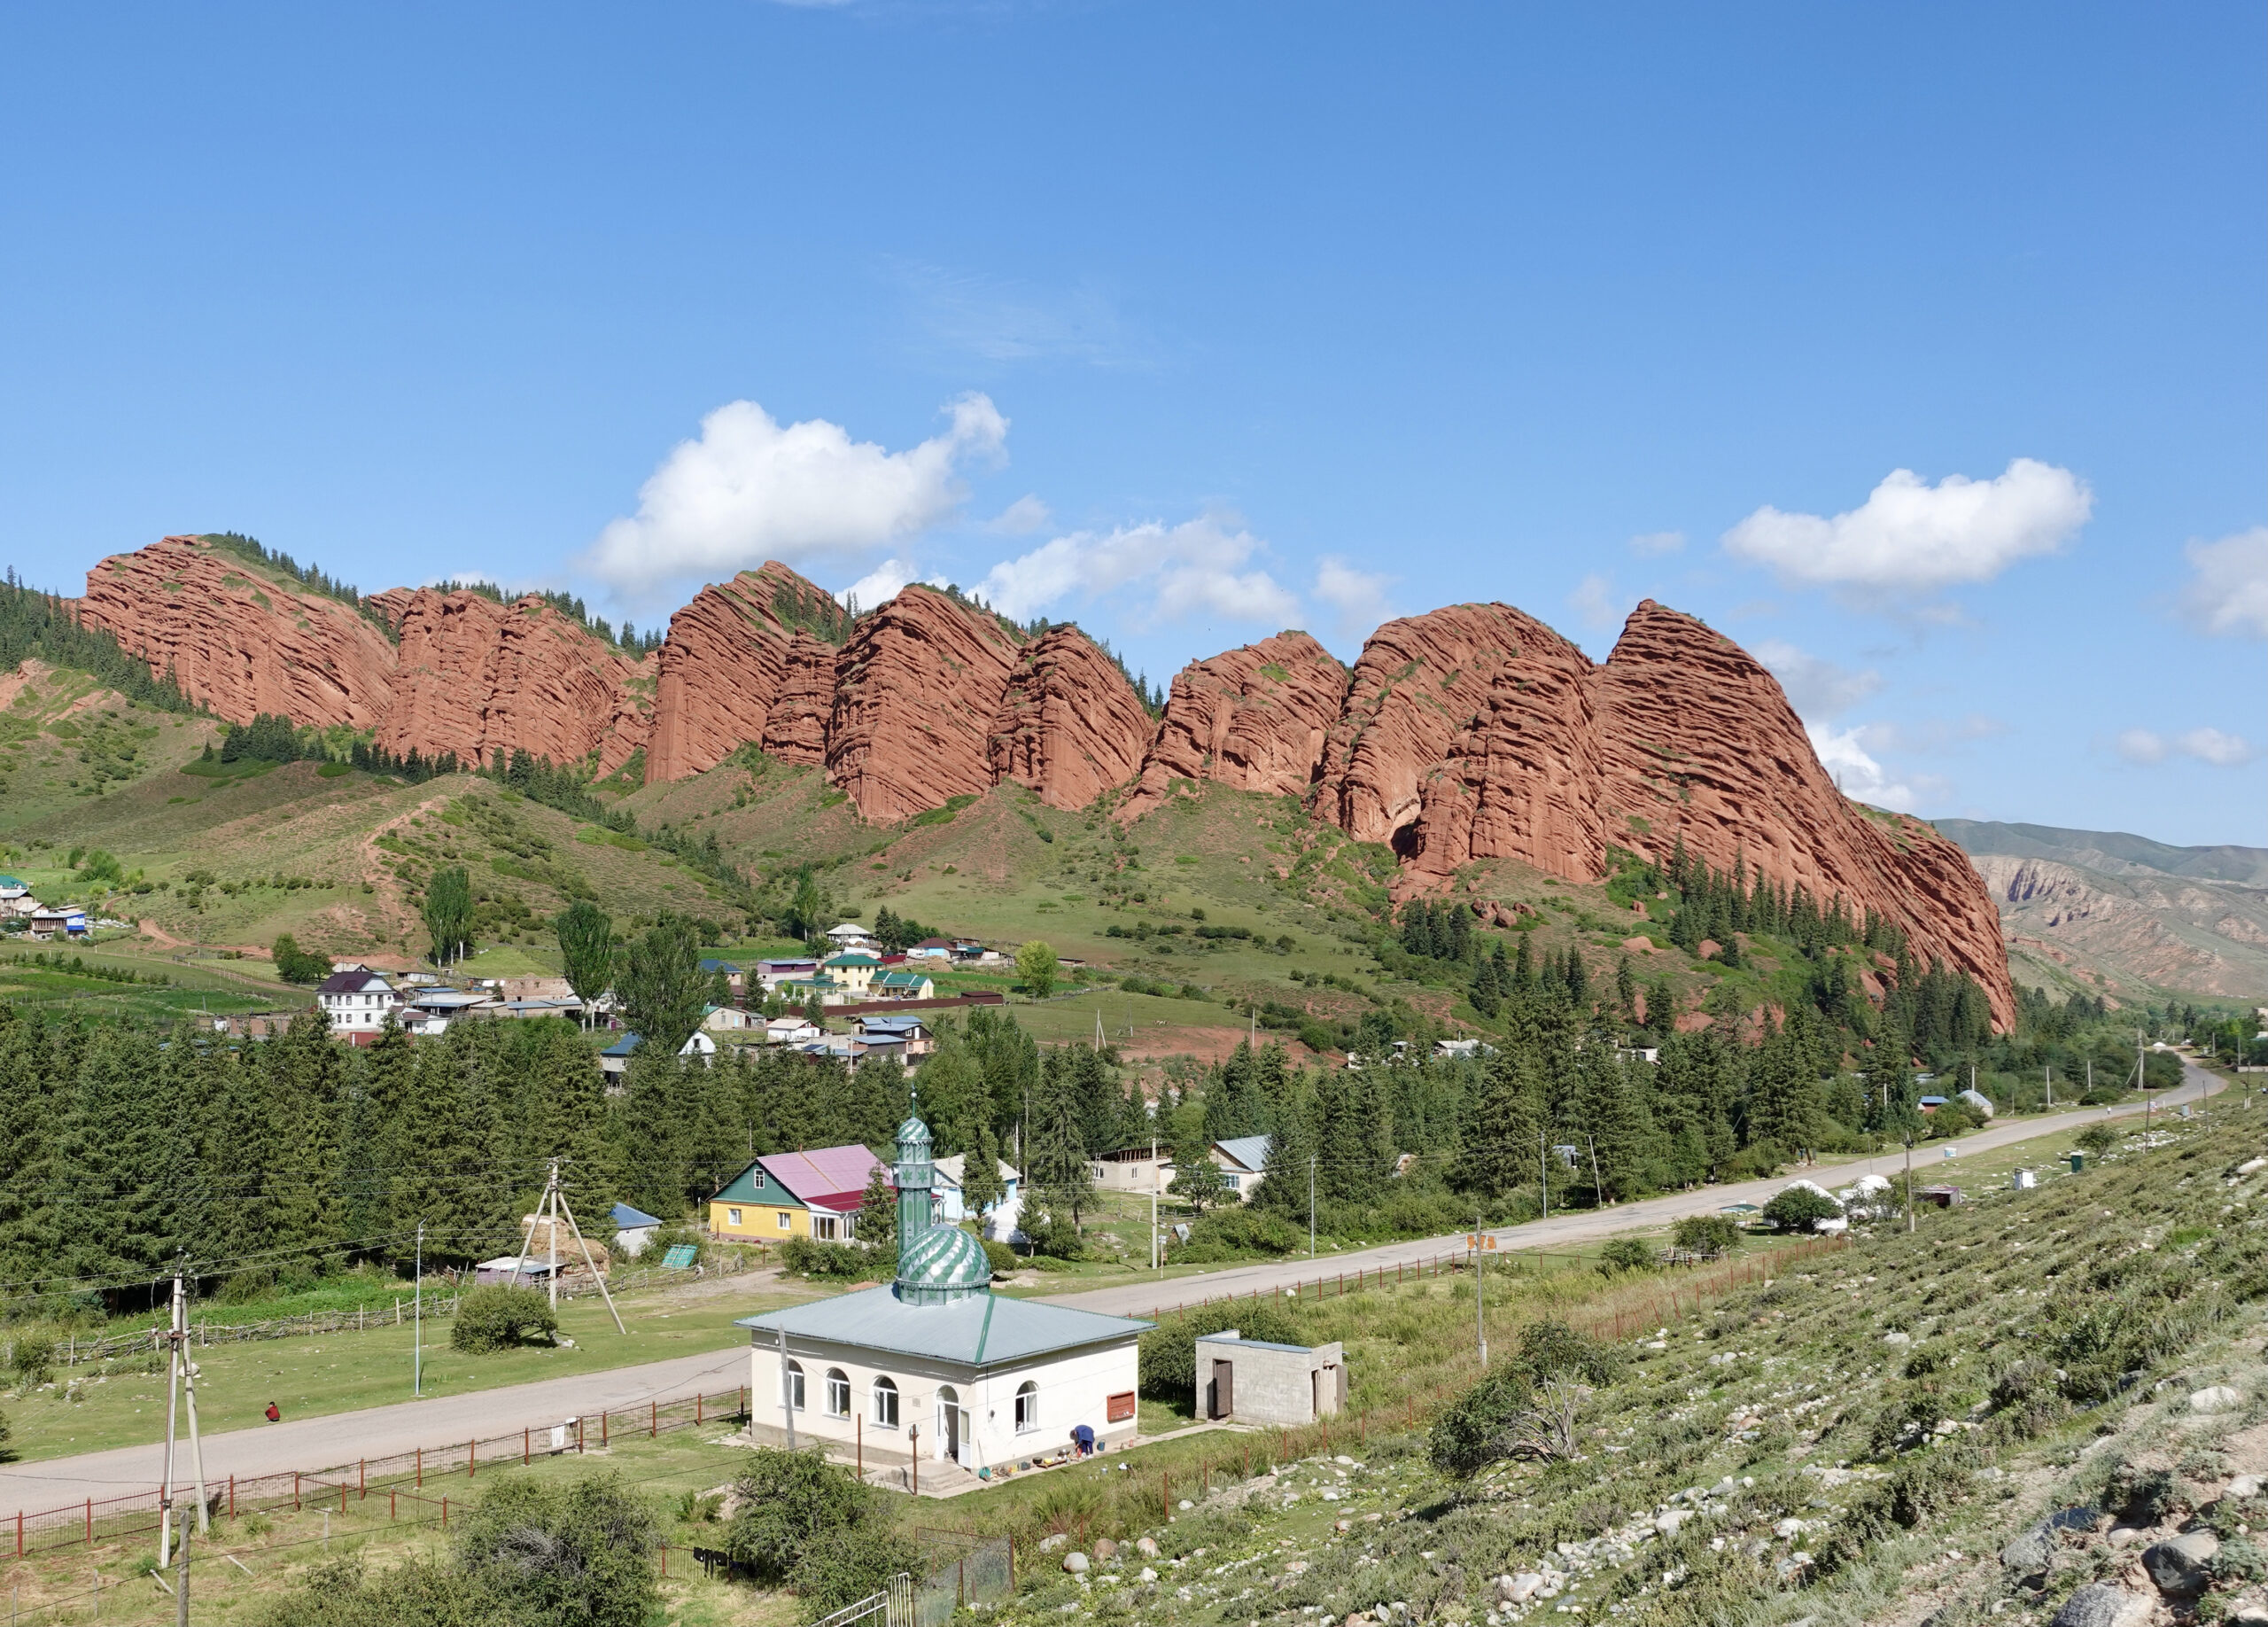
{"points": [[1070, 727], [240, 638], [475, 676], [795, 729], [725, 667], [1697, 739], [1521, 781], [1253, 717], [1421, 682], [916, 690]]}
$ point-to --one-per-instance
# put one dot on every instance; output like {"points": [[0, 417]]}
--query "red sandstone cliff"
{"points": [[241, 639], [1695, 739], [916, 690], [1069, 725], [1420, 682], [473, 676], [734, 657], [1253, 717]]}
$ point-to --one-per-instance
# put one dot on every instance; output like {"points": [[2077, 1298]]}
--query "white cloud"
{"points": [[748, 490], [1910, 535], [1357, 597], [1021, 517], [1815, 687], [2206, 744], [1595, 602], [2228, 594], [1192, 569], [1856, 773], [1652, 544], [880, 584]]}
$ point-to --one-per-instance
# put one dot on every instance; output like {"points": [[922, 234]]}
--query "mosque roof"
{"points": [[973, 1329], [945, 1256]]}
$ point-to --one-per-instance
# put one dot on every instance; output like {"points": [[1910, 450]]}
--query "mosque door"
{"points": [[951, 1420]]}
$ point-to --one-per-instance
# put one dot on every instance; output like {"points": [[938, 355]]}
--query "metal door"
{"points": [[1224, 1388]]}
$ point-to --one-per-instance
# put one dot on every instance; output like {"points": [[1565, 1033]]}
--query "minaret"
{"points": [[915, 1177]]}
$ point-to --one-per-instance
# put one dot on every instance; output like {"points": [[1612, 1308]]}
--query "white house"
{"points": [[634, 1229], [850, 935], [356, 1000], [13, 888], [793, 1029], [729, 1019], [1000, 1218], [931, 949], [984, 1380], [1243, 1160]]}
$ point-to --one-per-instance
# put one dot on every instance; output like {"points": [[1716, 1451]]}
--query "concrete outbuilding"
{"points": [[1257, 1382]]}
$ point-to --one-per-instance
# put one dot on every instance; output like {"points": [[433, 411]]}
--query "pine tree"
{"points": [[585, 934], [981, 1189], [1354, 1136], [878, 1212], [1626, 987], [1499, 1143], [1062, 1186], [1523, 967]]}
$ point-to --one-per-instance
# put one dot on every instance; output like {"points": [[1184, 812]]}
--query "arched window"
{"points": [[885, 1404], [1027, 1406], [838, 1393], [791, 1387]]}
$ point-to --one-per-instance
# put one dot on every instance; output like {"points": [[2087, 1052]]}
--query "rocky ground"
{"points": [[2044, 1406]]}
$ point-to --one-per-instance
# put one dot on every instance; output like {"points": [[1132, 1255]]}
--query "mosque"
{"points": [[935, 1364]]}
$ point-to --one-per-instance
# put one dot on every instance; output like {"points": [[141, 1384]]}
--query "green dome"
{"points": [[912, 1132], [943, 1263]]}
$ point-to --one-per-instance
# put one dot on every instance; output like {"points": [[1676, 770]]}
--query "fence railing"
{"points": [[73, 1349], [402, 1478]]}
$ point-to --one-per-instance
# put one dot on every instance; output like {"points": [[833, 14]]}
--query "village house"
{"points": [[615, 1060], [13, 888], [912, 1031], [794, 1029], [850, 935], [356, 1000], [61, 921], [634, 1229], [734, 977], [1139, 1170], [1000, 1218], [1243, 1160], [781, 1196], [902, 985], [854, 970], [729, 1019], [932, 949]]}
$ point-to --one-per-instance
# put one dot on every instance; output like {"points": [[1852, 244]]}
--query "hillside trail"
{"points": [[318, 1442]]}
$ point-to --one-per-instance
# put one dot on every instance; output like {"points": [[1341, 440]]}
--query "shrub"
{"points": [[813, 1526], [247, 1285], [1055, 1238], [2097, 1140], [1526, 1403], [1169, 1352], [1799, 1209], [1001, 1257], [1626, 1254], [807, 1256], [1707, 1235], [1237, 1229], [544, 1551], [497, 1316]]}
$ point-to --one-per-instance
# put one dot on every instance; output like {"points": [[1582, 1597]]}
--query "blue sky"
{"points": [[1192, 320]]}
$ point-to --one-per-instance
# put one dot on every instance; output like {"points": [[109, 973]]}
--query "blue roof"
{"points": [[10, 880], [626, 1217], [622, 1047], [973, 1330], [722, 966]]}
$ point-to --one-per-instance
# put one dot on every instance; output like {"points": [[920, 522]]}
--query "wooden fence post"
{"points": [[295, 1490], [472, 1454], [361, 1478], [421, 1469]]}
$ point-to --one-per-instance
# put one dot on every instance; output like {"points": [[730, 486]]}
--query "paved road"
{"points": [[342, 1437], [1589, 1224]]}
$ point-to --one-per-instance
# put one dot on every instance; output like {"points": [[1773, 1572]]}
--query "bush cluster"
{"points": [[498, 1316]]}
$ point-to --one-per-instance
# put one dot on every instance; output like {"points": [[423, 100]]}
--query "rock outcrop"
{"points": [[725, 668], [1254, 718], [474, 676], [239, 638], [917, 688], [1069, 725], [1697, 740]]}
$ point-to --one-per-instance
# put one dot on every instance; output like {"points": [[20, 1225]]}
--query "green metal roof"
{"points": [[974, 1330]]}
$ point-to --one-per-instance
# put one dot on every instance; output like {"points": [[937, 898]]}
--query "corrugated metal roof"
{"points": [[973, 1330], [627, 1217], [827, 1171], [1249, 1150]]}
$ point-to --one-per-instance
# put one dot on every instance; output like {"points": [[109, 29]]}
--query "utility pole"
{"points": [[1544, 1171], [417, 1321], [1480, 1291], [2051, 1081], [188, 1393], [1909, 1181], [181, 1572], [558, 1203], [172, 1404], [1311, 1206], [1598, 1187]]}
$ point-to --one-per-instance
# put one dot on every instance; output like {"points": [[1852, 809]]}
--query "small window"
{"points": [[792, 1389], [885, 1404], [838, 1393], [733, 1217], [1027, 1406], [823, 1225], [785, 1223]]}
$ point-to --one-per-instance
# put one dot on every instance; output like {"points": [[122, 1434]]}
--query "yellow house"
{"points": [[809, 1195], [851, 969]]}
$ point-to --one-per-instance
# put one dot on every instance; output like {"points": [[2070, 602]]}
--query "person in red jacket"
{"points": [[275, 1414]]}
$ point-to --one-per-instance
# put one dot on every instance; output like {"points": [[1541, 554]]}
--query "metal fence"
{"points": [[973, 1571], [401, 1479]]}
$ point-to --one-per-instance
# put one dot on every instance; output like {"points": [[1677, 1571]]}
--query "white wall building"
{"points": [[356, 1000], [935, 1365]]}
